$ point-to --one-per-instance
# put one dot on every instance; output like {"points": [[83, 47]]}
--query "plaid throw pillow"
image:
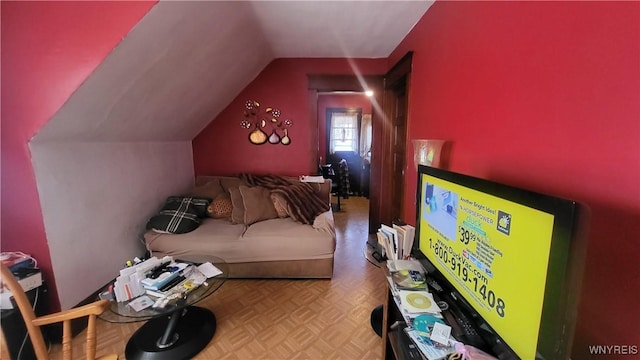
{"points": [[179, 215]]}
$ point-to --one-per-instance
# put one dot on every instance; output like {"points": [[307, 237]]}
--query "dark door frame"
{"points": [[399, 75]]}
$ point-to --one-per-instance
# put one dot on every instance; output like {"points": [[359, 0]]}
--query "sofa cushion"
{"points": [[304, 203], [264, 241], [201, 241], [221, 207], [257, 204], [178, 215], [323, 189], [228, 183], [237, 213], [285, 239], [210, 190], [280, 204]]}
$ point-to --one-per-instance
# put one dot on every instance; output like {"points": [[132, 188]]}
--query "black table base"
{"points": [[180, 335]]}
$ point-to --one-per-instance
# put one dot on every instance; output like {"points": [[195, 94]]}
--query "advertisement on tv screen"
{"points": [[494, 251]]}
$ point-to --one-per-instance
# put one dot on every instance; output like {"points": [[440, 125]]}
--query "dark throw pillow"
{"points": [[179, 215]]}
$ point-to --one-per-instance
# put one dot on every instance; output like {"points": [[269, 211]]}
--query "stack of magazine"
{"points": [[408, 284]]}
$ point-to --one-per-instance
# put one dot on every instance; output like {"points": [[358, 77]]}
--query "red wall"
{"points": [[337, 101], [223, 148], [48, 50], [546, 96]]}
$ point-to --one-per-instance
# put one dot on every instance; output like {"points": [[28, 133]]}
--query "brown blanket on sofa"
{"points": [[304, 202]]}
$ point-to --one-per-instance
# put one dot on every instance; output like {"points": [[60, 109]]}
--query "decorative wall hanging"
{"points": [[264, 122]]}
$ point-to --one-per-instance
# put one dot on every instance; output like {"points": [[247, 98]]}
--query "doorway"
{"points": [[388, 139], [345, 143], [320, 85]]}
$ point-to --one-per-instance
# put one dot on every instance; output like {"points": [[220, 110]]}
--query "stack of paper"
{"points": [[427, 348], [129, 284]]}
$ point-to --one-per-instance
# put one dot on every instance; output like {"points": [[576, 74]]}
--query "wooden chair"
{"points": [[34, 323]]}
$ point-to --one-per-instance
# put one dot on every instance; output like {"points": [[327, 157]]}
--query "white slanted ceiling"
{"points": [[180, 66], [186, 60], [362, 29], [122, 142]]}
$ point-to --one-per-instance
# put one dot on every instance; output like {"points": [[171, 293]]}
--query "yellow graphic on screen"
{"points": [[494, 251], [504, 221]]}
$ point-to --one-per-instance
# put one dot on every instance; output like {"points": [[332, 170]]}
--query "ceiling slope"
{"points": [[184, 62], [361, 29]]}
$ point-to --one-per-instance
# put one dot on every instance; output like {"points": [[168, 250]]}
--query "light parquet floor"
{"points": [[290, 319]]}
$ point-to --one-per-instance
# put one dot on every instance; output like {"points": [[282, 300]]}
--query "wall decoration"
{"points": [[267, 126], [427, 152]]}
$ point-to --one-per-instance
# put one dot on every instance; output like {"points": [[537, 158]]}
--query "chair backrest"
{"points": [[343, 178], [33, 323], [39, 346]]}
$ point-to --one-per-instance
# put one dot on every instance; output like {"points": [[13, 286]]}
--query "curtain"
{"points": [[365, 135], [344, 132]]}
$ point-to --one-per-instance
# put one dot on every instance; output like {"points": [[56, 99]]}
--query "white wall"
{"points": [[96, 199]]}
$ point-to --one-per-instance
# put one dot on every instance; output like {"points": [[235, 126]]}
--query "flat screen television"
{"points": [[508, 259]]}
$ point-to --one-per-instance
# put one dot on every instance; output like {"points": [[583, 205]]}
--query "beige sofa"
{"points": [[276, 247]]}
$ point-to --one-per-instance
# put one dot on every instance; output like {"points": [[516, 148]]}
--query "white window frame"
{"points": [[344, 130]]}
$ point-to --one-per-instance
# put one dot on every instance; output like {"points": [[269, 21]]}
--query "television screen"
{"points": [[508, 255]]}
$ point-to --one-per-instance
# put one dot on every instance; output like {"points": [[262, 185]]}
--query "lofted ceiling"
{"points": [[181, 65]]}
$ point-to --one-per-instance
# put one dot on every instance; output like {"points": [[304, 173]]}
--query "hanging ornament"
{"points": [[286, 140], [274, 138], [257, 136]]}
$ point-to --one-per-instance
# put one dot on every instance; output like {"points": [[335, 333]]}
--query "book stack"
{"points": [[396, 241]]}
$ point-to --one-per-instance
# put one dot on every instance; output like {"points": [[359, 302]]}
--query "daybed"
{"points": [[255, 232]]}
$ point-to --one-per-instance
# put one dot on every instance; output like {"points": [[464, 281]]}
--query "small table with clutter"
{"points": [[163, 293]]}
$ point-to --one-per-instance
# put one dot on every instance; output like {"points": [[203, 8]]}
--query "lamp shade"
{"points": [[427, 152]]}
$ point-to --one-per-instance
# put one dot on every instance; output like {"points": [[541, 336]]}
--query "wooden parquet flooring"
{"points": [[290, 319]]}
